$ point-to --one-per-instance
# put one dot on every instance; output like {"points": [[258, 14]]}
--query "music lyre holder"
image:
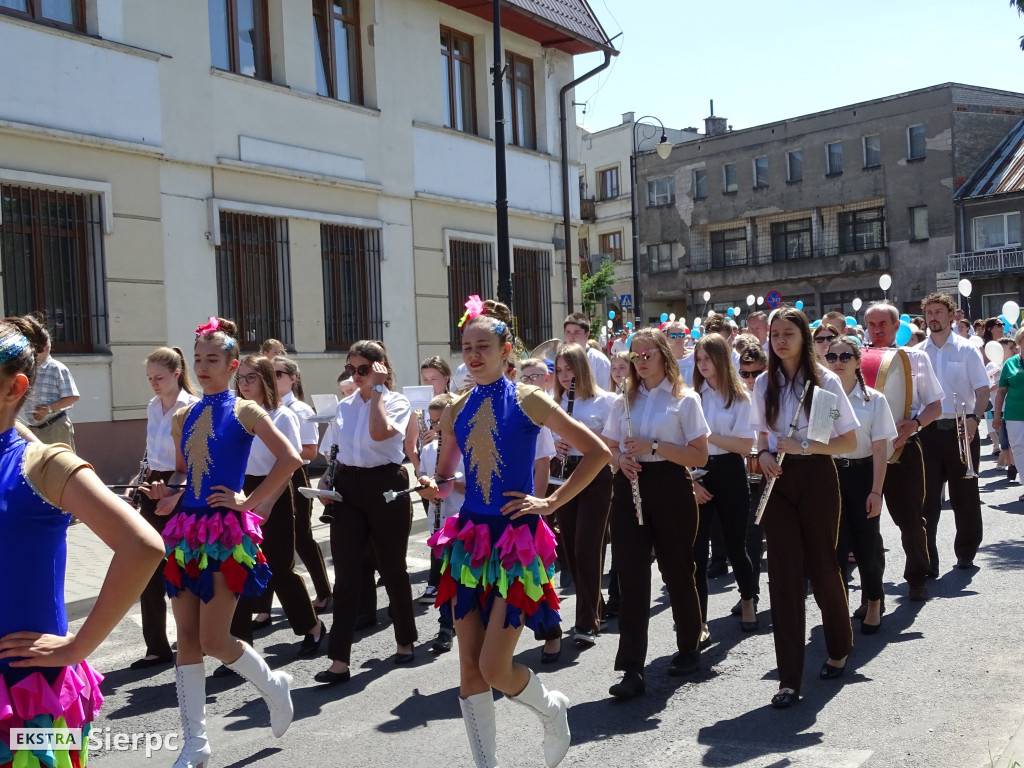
{"points": [[390, 496], [323, 494]]}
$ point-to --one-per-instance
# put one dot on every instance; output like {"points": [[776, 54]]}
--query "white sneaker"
{"points": [[429, 595]]}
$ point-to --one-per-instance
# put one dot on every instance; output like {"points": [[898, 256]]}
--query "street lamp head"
{"points": [[664, 148]]}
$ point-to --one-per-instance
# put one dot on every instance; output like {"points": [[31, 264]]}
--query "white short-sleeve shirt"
{"points": [[350, 431], [927, 388], [159, 443], [876, 422], [658, 415], [591, 413], [308, 431], [790, 398], [600, 365], [729, 421], [261, 460], [452, 503]]}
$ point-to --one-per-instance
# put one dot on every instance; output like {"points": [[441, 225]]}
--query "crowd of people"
{"points": [[688, 444]]}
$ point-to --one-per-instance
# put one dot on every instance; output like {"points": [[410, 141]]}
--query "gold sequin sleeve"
{"points": [[178, 421], [49, 467], [249, 414], [451, 411], [535, 403]]}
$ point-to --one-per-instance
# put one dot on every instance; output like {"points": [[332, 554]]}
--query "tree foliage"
{"points": [[594, 288], [1019, 5]]}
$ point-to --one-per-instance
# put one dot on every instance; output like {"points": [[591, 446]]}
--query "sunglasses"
{"points": [[281, 374], [825, 339], [842, 357], [526, 378], [647, 354], [362, 370], [249, 378], [677, 335], [751, 374]]}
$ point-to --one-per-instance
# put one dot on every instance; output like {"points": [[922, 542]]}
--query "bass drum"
{"points": [[888, 370]]}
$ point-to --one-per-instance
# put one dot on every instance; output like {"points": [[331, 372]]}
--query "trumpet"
{"points": [[963, 442], [634, 484]]}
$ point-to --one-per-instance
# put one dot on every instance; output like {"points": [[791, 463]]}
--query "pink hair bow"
{"points": [[474, 308], [210, 327]]}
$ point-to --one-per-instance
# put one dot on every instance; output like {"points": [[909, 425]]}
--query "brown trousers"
{"points": [[801, 523], [904, 497], [670, 526]]}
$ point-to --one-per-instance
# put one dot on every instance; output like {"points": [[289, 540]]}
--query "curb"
{"points": [[1012, 755]]}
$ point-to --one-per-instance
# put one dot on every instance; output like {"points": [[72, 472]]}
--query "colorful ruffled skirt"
{"points": [[518, 567], [201, 541], [65, 697]]}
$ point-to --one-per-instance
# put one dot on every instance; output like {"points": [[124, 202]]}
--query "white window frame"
{"points": [[666, 197], [725, 178], [789, 164], [829, 170], [864, 149], [924, 136], [753, 166], [1006, 231]]}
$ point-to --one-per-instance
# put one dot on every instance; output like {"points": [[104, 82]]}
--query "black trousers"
{"points": [[670, 526], [152, 601], [858, 533], [942, 464], [279, 548], [904, 497], [362, 518], [754, 541], [801, 522], [726, 481]]}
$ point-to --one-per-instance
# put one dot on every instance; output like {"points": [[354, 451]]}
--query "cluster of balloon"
{"points": [[993, 351]]}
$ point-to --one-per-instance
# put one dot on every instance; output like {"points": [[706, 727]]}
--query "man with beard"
{"points": [[962, 373], [904, 481]]}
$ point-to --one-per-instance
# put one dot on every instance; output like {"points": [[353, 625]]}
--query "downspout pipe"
{"points": [[566, 211]]}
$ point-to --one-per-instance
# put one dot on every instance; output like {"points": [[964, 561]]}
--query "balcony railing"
{"points": [[980, 262], [588, 209]]}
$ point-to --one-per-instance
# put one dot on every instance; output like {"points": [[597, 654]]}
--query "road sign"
{"points": [[773, 299], [626, 301]]}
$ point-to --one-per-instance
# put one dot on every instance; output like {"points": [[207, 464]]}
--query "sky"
{"points": [[770, 60]]}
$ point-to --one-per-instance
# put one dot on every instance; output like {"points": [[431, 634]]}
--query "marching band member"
{"points": [[861, 477], [498, 551], [963, 376], [801, 519], [619, 370], [582, 521], [167, 372], [669, 434], [904, 481], [722, 490], [44, 677], [576, 330]]}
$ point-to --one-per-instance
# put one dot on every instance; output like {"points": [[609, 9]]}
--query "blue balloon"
{"points": [[611, 314], [904, 334], [815, 324], [731, 312], [629, 325], [905, 318], [664, 317], [799, 305], [695, 333], [1007, 325], [850, 322]]}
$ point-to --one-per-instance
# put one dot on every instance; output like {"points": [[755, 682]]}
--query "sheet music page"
{"points": [[419, 397], [823, 413], [325, 404]]}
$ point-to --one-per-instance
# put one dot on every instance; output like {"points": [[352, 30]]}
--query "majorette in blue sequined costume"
{"points": [[216, 435], [483, 553]]}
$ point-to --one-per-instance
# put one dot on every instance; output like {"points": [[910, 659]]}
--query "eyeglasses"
{"points": [[281, 374], [842, 357], [647, 354], [362, 370], [825, 339], [249, 378], [677, 335], [751, 374], [526, 378]]}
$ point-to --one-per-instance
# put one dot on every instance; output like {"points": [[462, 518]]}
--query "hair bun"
{"points": [[498, 311], [227, 326], [32, 329]]}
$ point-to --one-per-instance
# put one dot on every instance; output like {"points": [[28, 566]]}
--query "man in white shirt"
{"points": [[904, 481], [961, 370], [576, 330], [757, 324], [619, 345]]}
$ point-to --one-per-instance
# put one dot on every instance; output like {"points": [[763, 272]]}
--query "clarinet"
{"points": [[771, 481], [568, 411], [332, 464], [436, 503], [634, 484], [135, 499], [421, 419]]}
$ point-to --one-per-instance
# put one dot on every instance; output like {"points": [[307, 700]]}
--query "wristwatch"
{"points": [[974, 416], [378, 388], [654, 448], [805, 445]]}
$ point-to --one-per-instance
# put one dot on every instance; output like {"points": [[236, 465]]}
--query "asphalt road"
{"points": [[939, 686]]}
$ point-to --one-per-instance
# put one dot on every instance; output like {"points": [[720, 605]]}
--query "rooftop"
{"points": [[1001, 172]]}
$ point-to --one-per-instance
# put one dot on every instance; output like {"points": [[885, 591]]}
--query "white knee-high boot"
{"points": [[478, 715], [274, 686], [190, 681], [552, 707]]}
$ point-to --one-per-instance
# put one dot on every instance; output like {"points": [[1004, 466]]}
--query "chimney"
{"points": [[627, 117], [715, 126]]}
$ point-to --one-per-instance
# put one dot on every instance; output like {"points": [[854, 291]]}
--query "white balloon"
{"points": [[993, 351], [965, 288], [736, 311], [672, 317], [760, 300], [857, 304], [711, 312], [696, 322], [609, 323], [976, 341], [885, 282], [771, 316], [1011, 311], [750, 300], [707, 295], [682, 320]]}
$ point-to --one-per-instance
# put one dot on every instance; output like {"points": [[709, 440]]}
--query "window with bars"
{"points": [[519, 101], [470, 271], [729, 248], [338, 58], [352, 290], [240, 37], [531, 286], [862, 230], [254, 277], [66, 14], [457, 69], [791, 239], [51, 254]]}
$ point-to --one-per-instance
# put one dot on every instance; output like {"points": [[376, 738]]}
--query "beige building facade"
{"points": [[315, 176]]}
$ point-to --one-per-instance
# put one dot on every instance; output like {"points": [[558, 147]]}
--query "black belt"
{"points": [[853, 462], [345, 469], [713, 457], [944, 425], [50, 421]]}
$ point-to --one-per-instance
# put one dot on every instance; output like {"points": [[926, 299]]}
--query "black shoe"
{"points": [[870, 629], [262, 623], [159, 661], [333, 678], [443, 642], [828, 672], [737, 610], [933, 572], [611, 608], [551, 658], [705, 640], [965, 564], [632, 684], [750, 626], [405, 658], [223, 671], [327, 607], [716, 569], [784, 699], [1011, 473], [365, 621], [684, 663], [311, 646], [918, 593]]}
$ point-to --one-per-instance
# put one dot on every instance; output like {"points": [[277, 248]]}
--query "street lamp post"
{"points": [[664, 149]]}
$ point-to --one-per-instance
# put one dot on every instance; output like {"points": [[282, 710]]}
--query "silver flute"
{"points": [[634, 484], [771, 481]]}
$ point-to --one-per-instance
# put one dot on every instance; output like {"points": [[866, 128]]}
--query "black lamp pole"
{"points": [[500, 182], [637, 299]]}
